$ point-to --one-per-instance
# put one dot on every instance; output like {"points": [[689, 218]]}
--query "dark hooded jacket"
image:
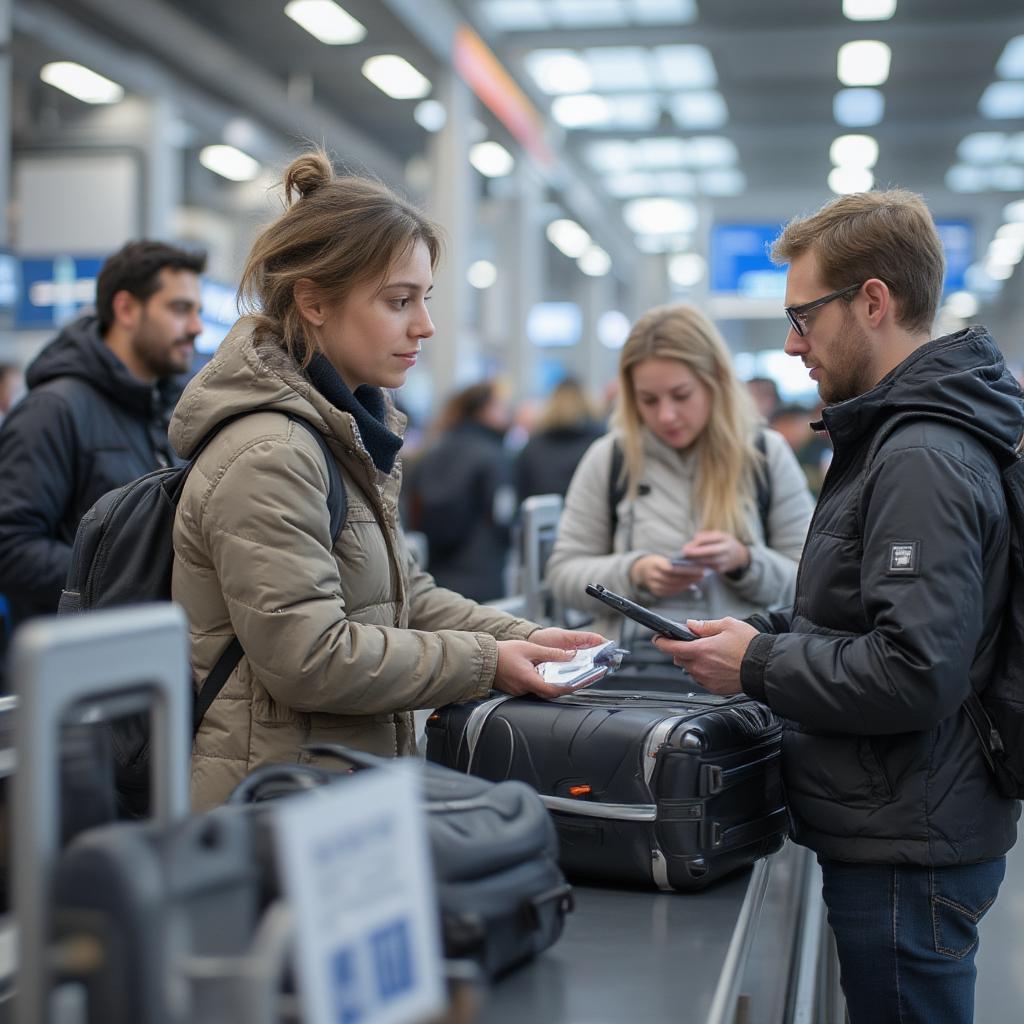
{"points": [[899, 601], [85, 426]]}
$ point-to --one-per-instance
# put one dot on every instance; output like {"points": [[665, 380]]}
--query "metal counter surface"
{"points": [[627, 956]]}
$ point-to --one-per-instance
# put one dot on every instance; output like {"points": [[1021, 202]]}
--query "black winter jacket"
{"points": [[85, 426], [548, 460], [899, 600]]}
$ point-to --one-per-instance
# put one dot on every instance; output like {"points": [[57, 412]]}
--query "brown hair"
{"points": [[727, 457], [337, 232], [568, 406], [889, 235]]}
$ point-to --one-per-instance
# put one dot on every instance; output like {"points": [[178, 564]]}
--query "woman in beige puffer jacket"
{"points": [[341, 642]]}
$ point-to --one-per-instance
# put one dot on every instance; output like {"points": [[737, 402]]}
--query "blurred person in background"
{"points": [[765, 393], [12, 388], [342, 637], [461, 493], [682, 527], [96, 413], [565, 429]]}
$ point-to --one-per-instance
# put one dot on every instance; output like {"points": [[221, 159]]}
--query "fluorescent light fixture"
{"points": [[660, 151], [999, 271], [685, 66], [396, 77], [664, 12], [1014, 211], [327, 21], [1011, 61], [1015, 147], [843, 180], [631, 184], [858, 108], [613, 328], [659, 216], [554, 324], [558, 72], [1004, 251], [687, 269], [722, 181], [675, 183], [977, 279], [869, 10], [1006, 177], [854, 151], [229, 162], [619, 68], [482, 274], [611, 156], [430, 115], [966, 178], [962, 304], [81, 82], [491, 159], [712, 151], [589, 13], [660, 244], [568, 237], [1015, 229], [691, 110], [516, 15], [863, 62], [637, 112], [1002, 100], [594, 262], [581, 111], [982, 148]]}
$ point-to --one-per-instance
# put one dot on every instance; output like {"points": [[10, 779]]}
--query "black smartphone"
{"points": [[638, 613]]}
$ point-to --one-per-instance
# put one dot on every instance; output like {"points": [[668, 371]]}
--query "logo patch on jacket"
{"points": [[904, 558]]}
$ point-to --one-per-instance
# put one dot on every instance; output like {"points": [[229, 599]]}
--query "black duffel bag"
{"points": [[503, 898]]}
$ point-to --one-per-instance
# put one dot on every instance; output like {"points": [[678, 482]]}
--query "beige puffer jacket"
{"points": [[340, 645]]}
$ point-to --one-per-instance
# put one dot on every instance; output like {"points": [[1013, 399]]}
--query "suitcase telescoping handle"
{"points": [[715, 779], [87, 668]]}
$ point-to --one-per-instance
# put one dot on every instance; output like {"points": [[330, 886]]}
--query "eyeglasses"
{"points": [[798, 314]]}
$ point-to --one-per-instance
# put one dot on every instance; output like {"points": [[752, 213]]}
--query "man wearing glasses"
{"points": [[901, 595]]}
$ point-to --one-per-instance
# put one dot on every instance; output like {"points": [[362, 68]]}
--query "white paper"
{"points": [[356, 870]]}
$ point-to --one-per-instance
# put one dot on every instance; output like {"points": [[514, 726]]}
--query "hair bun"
{"points": [[306, 174]]}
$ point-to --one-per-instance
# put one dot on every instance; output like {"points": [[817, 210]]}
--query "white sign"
{"points": [[356, 870]]}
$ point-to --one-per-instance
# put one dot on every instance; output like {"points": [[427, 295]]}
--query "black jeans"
{"points": [[907, 937]]}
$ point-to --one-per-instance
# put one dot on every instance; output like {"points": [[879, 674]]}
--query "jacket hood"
{"points": [[79, 351], [251, 371], [961, 375]]}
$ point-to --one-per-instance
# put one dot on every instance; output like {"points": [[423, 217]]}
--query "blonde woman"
{"points": [[708, 514]]}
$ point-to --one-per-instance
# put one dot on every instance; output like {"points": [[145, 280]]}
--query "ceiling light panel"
{"points": [[858, 108], [396, 77], [558, 72], [686, 66], [1002, 100], [631, 184], [661, 152], [696, 110], [982, 148], [660, 216], [725, 181], [966, 178], [594, 262], [517, 15], [869, 10], [687, 269], [843, 180], [430, 115], [635, 112], [568, 237], [589, 13], [1011, 61], [229, 162], [708, 151], [325, 20], [863, 62], [663, 12], [491, 159], [619, 68], [1006, 177], [854, 151], [586, 111], [81, 82], [611, 156]]}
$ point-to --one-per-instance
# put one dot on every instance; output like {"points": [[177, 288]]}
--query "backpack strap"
{"points": [[763, 482], [616, 486], [337, 504]]}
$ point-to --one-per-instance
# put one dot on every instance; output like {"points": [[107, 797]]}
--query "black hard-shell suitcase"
{"points": [[502, 896], [670, 789]]}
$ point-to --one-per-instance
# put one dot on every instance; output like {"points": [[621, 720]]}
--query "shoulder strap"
{"points": [[616, 486], [337, 502], [764, 485]]}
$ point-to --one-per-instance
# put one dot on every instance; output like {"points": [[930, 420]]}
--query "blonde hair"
{"points": [[567, 406], [337, 232], [727, 457]]}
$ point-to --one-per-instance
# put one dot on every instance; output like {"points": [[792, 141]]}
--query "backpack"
{"points": [[617, 485], [997, 712], [123, 555]]}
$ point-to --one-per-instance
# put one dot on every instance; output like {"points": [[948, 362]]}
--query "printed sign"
{"points": [[356, 870]]}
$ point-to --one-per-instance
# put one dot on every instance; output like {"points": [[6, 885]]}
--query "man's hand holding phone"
{"points": [[715, 657]]}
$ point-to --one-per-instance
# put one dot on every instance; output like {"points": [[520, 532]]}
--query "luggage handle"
{"points": [[60, 665], [714, 778], [560, 895], [718, 838]]}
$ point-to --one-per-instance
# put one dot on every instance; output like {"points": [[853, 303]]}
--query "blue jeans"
{"points": [[907, 937]]}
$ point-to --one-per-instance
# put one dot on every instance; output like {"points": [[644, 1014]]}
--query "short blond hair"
{"points": [[889, 235]]}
